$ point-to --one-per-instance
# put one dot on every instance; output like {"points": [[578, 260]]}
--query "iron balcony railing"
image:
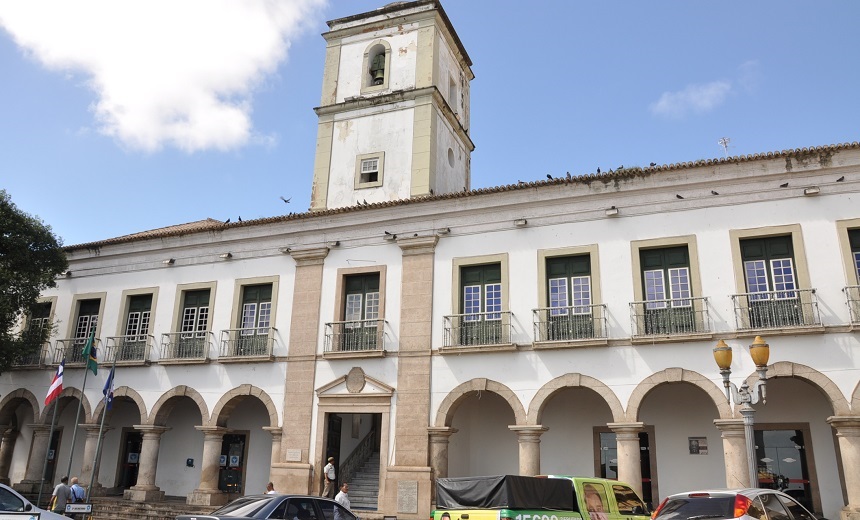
{"points": [[354, 336], [776, 309], [671, 317], [185, 345], [247, 342], [852, 295], [73, 350], [129, 349], [32, 360], [577, 322], [478, 329]]}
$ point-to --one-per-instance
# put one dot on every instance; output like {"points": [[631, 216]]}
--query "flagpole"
{"points": [[91, 344], [96, 457], [48, 451]]}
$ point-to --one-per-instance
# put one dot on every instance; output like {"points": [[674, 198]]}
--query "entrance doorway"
{"points": [[231, 477], [53, 452], [607, 460], [130, 462], [352, 439], [785, 462]]}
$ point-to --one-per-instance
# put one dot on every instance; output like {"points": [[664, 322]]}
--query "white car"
{"points": [[12, 501]]}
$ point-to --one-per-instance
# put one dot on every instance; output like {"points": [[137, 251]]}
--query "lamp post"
{"points": [[746, 396]]}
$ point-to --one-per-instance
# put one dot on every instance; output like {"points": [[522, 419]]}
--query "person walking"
{"points": [[342, 498], [61, 496], [330, 477], [78, 492]]}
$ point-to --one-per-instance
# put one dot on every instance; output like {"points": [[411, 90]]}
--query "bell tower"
{"points": [[394, 114]]}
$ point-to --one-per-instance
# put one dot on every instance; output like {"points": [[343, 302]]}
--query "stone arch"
{"points": [[677, 375], [66, 393], [162, 408], [455, 398], [855, 399], [234, 397], [123, 391], [813, 377], [11, 402], [547, 391]]}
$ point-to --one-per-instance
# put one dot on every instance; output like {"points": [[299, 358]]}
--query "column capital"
{"points": [[217, 430], [40, 429], [846, 425], [441, 432], [276, 431], [528, 433], [309, 256], [626, 427], [150, 429], [726, 425], [417, 245]]}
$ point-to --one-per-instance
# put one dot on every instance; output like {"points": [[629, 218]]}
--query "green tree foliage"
{"points": [[31, 256]]}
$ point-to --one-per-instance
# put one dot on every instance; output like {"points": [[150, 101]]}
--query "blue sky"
{"points": [[119, 117]]}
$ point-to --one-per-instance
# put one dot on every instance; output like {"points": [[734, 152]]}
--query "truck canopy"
{"points": [[504, 492]]}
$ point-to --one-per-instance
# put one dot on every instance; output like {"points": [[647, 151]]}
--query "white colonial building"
{"points": [[555, 327]]}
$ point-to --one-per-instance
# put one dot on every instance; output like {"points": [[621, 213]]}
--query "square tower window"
{"points": [[368, 170]]}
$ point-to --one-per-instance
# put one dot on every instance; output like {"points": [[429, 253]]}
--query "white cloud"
{"points": [[694, 98], [165, 72]]}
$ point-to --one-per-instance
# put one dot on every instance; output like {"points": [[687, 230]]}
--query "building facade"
{"points": [[555, 327]]}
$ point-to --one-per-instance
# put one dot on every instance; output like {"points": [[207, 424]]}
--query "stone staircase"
{"points": [[364, 486]]}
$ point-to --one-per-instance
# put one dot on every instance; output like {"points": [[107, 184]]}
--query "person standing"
{"points": [[270, 488], [61, 496], [342, 498], [330, 477]]}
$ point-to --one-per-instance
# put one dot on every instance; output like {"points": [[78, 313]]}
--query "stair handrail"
{"points": [[359, 455]]}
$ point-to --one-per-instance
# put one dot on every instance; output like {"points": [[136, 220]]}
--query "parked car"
{"points": [[11, 501], [746, 504], [282, 507]]}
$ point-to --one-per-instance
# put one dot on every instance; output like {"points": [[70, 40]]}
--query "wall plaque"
{"points": [[294, 455], [407, 496]]}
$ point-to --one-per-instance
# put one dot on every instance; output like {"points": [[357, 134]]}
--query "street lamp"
{"points": [[745, 396]]}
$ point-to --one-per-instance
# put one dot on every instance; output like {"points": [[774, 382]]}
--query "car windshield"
{"points": [[247, 506], [700, 508]]}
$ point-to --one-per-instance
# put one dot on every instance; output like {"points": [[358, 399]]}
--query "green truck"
{"points": [[546, 497]]}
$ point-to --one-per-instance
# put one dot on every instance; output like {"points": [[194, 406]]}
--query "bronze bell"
{"points": [[377, 69]]}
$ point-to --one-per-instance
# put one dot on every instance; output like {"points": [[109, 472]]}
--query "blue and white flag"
{"points": [[108, 390]]}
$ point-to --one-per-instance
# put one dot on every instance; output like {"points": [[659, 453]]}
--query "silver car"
{"points": [[12, 501], [727, 504]]}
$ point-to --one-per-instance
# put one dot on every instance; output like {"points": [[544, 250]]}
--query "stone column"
{"points": [[629, 454], [277, 433], [529, 441], [439, 437], [734, 452], [848, 432], [36, 464], [90, 446], [207, 493], [294, 473], [7, 447], [407, 488], [145, 490]]}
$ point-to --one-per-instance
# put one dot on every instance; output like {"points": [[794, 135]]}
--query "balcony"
{"points": [[72, 349], [129, 350], [568, 326], [852, 295], [670, 319], [33, 360], [363, 337], [185, 347], [478, 331], [248, 344], [795, 309]]}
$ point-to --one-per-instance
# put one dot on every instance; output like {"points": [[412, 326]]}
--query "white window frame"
{"points": [[360, 160]]}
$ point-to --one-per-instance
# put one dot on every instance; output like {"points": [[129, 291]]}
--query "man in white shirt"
{"points": [[330, 477], [342, 498], [270, 488]]}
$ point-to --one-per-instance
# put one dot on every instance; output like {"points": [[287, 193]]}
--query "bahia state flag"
{"points": [[108, 390], [90, 353], [56, 384]]}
